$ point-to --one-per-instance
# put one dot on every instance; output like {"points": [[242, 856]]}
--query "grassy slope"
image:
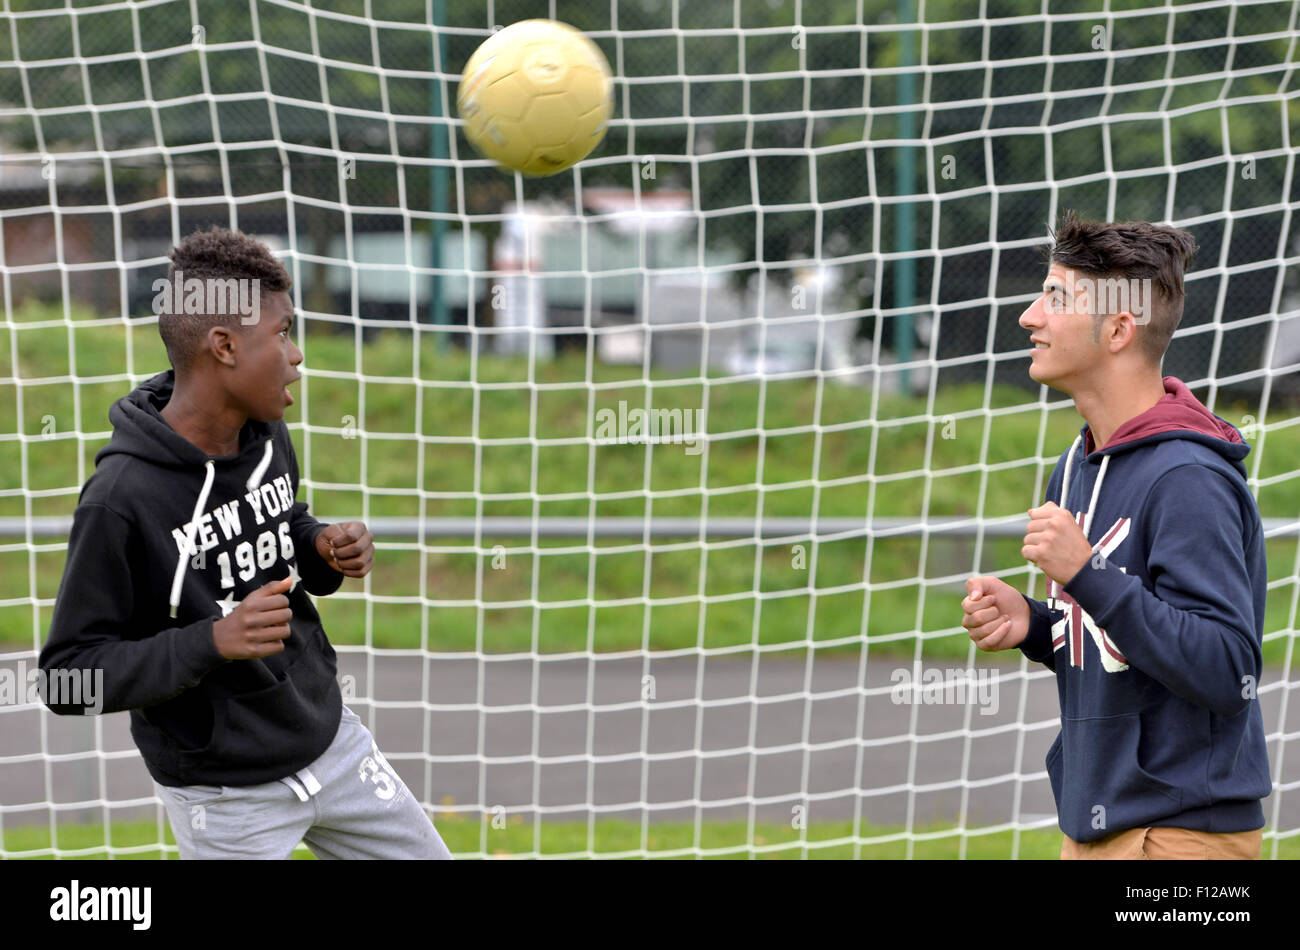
{"points": [[541, 598]]}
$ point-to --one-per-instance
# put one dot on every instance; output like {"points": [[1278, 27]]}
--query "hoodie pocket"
{"points": [[258, 732], [1098, 779]]}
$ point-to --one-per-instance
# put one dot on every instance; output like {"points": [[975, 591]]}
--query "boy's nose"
{"points": [[1033, 315]]}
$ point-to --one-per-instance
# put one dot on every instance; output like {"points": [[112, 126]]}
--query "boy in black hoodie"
{"points": [[189, 565]]}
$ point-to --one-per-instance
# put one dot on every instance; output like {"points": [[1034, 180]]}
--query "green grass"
{"points": [[615, 838], [504, 595]]}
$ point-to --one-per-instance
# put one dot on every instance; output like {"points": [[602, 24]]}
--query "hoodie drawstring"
{"points": [[1096, 488], [1065, 480], [253, 481], [190, 532], [256, 478]]}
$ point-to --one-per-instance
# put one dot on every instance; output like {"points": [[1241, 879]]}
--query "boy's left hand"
{"points": [[348, 547], [1055, 542]]}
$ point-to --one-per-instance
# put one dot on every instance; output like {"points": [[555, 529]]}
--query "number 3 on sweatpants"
{"points": [[376, 769]]}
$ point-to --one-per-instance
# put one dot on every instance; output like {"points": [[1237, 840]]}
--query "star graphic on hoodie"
{"points": [[228, 603]]}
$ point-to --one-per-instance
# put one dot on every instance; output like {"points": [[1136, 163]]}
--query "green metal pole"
{"points": [[904, 184], [438, 179]]}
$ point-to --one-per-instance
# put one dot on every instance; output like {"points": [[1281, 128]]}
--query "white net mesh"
{"points": [[677, 461]]}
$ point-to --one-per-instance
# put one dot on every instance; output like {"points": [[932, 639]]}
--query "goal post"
{"points": [[678, 460]]}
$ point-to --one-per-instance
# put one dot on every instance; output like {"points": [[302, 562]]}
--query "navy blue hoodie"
{"points": [[164, 541], [1156, 641]]}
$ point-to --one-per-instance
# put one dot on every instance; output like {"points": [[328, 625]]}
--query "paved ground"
{"points": [[713, 736]]}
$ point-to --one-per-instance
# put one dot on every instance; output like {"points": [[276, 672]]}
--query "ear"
{"points": [[222, 345], [1122, 331]]}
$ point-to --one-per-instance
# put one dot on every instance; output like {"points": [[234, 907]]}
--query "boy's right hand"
{"points": [[995, 614], [258, 626]]}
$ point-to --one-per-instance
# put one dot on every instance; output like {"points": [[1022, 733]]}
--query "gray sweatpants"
{"points": [[349, 803]]}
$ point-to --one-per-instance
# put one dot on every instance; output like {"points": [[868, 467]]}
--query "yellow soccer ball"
{"points": [[536, 97]]}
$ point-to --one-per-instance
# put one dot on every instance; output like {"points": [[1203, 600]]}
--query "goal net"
{"points": [[677, 461]]}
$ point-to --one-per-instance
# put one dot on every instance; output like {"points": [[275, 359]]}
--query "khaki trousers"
{"points": [[1167, 844]]}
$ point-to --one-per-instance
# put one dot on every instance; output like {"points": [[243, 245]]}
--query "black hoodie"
{"points": [[164, 541]]}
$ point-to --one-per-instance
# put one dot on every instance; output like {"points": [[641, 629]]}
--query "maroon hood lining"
{"points": [[1177, 411]]}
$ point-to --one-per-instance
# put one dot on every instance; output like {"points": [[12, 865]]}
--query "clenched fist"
{"points": [[348, 547], [258, 626], [1055, 542], [995, 614]]}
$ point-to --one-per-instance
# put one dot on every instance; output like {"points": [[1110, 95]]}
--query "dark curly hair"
{"points": [[1130, 250], [214, 254]]}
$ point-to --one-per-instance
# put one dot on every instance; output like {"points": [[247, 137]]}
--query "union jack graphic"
{"points": [[1070, 628]]}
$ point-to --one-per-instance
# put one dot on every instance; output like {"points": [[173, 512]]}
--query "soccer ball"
{"points": [[536, 97]]}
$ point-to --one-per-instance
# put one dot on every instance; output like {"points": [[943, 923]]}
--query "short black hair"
{"points": [[215, 254], [1131, 250]]}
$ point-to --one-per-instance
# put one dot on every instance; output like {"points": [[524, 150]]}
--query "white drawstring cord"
{"points": [[190, 533], [256, 478], [253, 481], [1096, 488]]}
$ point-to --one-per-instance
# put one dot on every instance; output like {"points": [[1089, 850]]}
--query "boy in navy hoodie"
{"points": [[189, 565], [1154, 551]]}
